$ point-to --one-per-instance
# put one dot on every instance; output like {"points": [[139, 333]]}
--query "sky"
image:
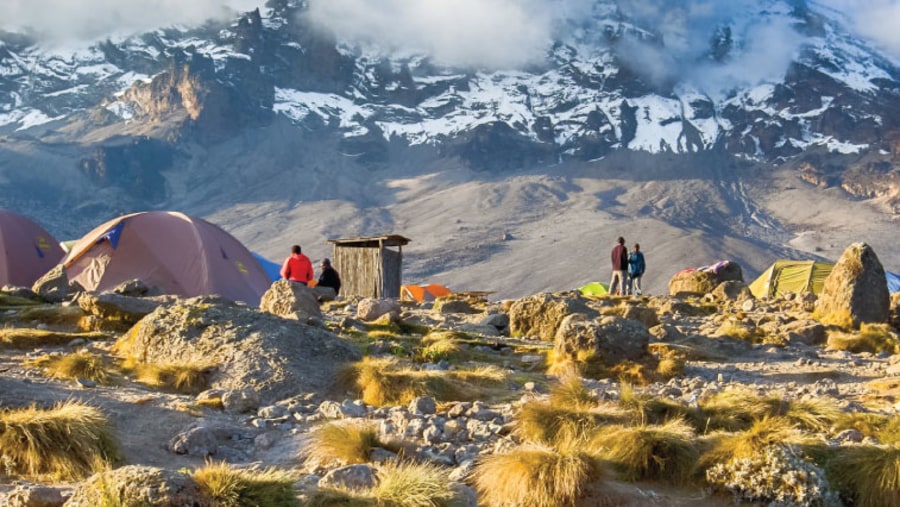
{"points": [[480, 33]]}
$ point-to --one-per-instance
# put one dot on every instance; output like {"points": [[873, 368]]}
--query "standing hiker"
{"points": [[619, 266], [636, 267]]}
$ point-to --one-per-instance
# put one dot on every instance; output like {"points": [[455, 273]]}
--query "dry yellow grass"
{"points": [[872, 338], [387, 381], [549, 424], [73, 366], [413, 485], [665, 452], [841, 319], [346, 442], [738, 409], [870, 475], [68, 441], [187, 377], [586, 363], [225, 486], [33, 338], [723, 447], [534, 476]]}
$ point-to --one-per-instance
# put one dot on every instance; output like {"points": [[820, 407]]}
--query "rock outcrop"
{"points": [[138, 485], [539, 316], [613, 338], [53, 287], [291, 301], [856, 290], [705, 280], [251, 350]]}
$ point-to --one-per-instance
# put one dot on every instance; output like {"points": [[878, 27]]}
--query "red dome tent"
{"points": [[174, 252], [27, 251]]}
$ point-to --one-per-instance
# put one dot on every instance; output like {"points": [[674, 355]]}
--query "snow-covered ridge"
{"points": [[583, 93]]}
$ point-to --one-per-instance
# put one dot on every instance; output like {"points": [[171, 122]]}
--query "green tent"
{"points": [[791, 276], [594, 289]]}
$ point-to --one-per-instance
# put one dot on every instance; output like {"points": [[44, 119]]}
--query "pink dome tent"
{"points": [[171, 251], [27, 250]]}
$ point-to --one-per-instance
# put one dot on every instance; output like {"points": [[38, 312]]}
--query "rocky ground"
{"points": [[274, 372]]}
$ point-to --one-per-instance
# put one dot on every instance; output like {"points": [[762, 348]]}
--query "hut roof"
{"points": [[386, 240]]}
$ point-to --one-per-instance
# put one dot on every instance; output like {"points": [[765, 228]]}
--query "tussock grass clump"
{"points": [[330, 497], [841, 319], [534, 476], [34, 338], [413, 485], [738, 331], [438, 349], [585, 363], [550, 424], [867, 475], [349, 443], [225, 486], [388, 381], [872, 338], [73, 366], [670, 367], [869, 424], [187, 377], [68, 441], [647, 409], [569, 391], [666, 452], [725, 447], [738, 409]]}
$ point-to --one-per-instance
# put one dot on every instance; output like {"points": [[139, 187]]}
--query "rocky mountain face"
{"points": [[124, 124]]}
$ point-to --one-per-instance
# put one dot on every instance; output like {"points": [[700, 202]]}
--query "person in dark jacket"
{"points": [[636, 267], [619, 266], [329, 277]]}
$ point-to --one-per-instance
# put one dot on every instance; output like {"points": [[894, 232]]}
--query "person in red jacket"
{"points": [[619, 265], [297, 268]]}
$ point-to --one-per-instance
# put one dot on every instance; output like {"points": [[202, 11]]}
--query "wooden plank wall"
{"points": [[359, 269], [393, 265], [368, 272]]}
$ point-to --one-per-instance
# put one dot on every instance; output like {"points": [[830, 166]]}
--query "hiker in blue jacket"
{"points": [[636, 269]]}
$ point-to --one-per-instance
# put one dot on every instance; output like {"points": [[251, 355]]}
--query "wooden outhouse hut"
{"points": [[370, 267]]}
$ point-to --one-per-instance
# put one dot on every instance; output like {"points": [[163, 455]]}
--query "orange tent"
{"points": [[423, 293], [27, 251], [174, 252]]}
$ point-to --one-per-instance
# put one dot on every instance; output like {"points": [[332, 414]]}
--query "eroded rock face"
{"points": [[291, 301], [856, 290], [540, 315], [110, 306], [138, 485], [249, 349], [53, 287], [614, 338]]}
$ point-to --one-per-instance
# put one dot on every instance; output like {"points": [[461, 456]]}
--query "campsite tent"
{"points": [[791, 276], [176, 253], [594, 289], [893, 280], [27, 251], [273, 270], [423, 293]]}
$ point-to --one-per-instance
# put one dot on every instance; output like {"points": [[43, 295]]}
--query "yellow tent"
{"points": [[791, 276]]}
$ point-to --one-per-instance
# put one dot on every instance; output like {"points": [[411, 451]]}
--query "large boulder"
{"points": [[252, 350], [613, 338], [110, 306], [291, 301], [370, 309], [540, 315], [855, 291], [35, 495], [895, 310], [138, 485], [705, 280], [53, 287]]}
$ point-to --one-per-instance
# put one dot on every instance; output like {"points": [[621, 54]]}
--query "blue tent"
{"points": [[893, 280], [272, 269]]}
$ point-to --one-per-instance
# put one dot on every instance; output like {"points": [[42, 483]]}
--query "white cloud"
{"points": [[875, 20], [489, 33], [63, 21]]}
